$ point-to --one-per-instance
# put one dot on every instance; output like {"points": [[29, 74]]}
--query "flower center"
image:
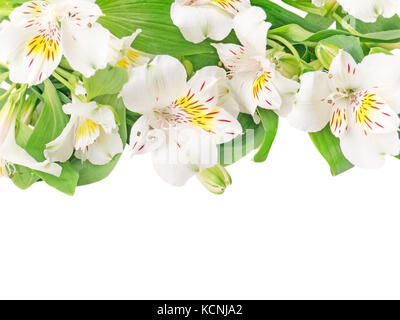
{"points": [[188, 109], [86, 134]]}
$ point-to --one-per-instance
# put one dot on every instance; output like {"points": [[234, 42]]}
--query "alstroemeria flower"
{"points": [[41, 32], [182, 122], [360, 102], [10, 152], [122, 54], [367, 10], [201, 19], [255, 80], [92, 132]]}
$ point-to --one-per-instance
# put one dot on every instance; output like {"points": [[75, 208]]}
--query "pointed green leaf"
{"points": [[270, 121], [329, 147], [107, 81]]}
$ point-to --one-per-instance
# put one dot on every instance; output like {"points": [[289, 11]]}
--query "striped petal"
{"points": [[78, 14], [32, 13], [339, 118], [373, 114], [32, 54]]}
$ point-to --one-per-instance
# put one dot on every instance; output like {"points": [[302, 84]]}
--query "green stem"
{"points": [[63, 81], [345, 25], [286, 43], [275, 45], [7, 93], [65, 73]]}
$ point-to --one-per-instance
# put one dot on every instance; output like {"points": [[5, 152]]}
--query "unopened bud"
{"points": [[215, 179], [288, 65], [28, 109]]}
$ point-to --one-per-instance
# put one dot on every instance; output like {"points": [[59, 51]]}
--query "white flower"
{"points": [[10, 152], [367, 10], [201, 19], [91, 132], [123, 55], [361, 103], [255, 80], [41, 32], [182, 122]]}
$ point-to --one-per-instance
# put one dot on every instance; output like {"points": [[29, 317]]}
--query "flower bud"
{"points": [[28, 109], [215, 179], [287, 65], [326, 52]]}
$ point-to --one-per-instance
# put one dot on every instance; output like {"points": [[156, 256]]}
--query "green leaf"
{"points": [[66, 183], [270, 121], [329, 147], [253, 136], [107, 81], [279, 16], [350, 44], [382, 24], [49, 126], [90, 173], [380, 50], [24, 177], [159, 35]]}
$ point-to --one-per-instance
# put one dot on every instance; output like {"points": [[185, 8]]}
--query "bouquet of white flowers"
{"points": [[199, 84]]}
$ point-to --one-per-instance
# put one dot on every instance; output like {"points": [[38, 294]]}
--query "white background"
{"points": [[285, 229]]}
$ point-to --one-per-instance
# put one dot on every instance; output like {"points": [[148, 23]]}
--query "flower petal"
{"points": [[31, 13], [370, 10], [339, 118], [251, 29], [226, 100], [78, 14], [287, 89], [91, 110], [86, 49], [344, 72], [264, 91], [103, 149], [368, 151], [157, 84], [31, 54], [199, 23], [231, 55], [310, 111], [187, 153], [381, 73], [373, 114], [143, 138], [13, 153], [62, 148]]}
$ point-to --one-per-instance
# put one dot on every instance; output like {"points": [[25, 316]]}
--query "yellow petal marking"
{"points": [[195, 112], [227, 4], [86, 134], [261, 83], [129, 60], [43, 47]]}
